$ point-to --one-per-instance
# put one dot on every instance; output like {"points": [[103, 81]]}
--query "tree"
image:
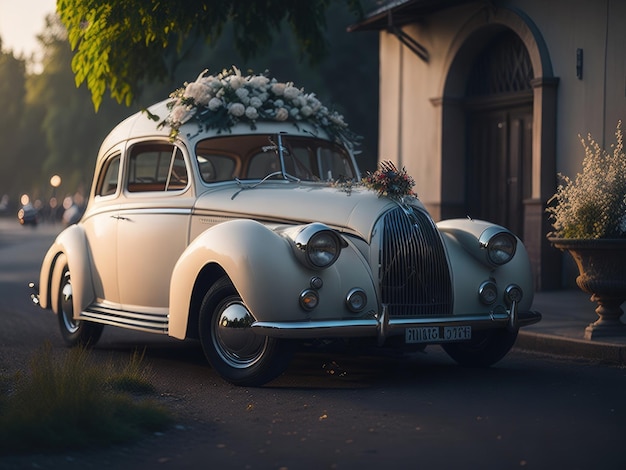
{"points": [[12, 93], [118, 44], [61, 133]]}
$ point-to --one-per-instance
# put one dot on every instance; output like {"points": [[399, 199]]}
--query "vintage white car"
{"points": [[242, 223]]}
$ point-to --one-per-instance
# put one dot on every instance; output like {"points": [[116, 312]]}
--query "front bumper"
{"points": [[381, 326]]}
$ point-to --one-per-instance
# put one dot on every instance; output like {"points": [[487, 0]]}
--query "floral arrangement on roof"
{"points": [[389, 181], [228, 98], [593, 205]]}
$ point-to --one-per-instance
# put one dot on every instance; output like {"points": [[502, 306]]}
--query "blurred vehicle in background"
{"points": [[27, 215]]}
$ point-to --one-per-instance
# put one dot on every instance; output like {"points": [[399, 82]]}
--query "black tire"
{"points": [[236, 353], [74, 332], [485, 349]]}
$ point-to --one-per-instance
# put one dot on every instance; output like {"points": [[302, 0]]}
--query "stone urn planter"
{"points": [[602, 273]]}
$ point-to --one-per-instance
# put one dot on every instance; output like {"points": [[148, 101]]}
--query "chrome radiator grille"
{"points": [[414, 275]]}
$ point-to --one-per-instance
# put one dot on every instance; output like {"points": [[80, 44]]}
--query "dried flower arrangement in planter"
{"points": [[593, 205], [589, 220]]}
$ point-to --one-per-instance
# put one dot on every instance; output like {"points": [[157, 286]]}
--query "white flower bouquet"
{"points": [[223, 100]]}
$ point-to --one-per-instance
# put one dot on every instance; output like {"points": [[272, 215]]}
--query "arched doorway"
{"points": [[474, 44], [499, 115]]}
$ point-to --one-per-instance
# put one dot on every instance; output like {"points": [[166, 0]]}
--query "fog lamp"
{"points": [[488, 292], [513, 293], [356, 300], [309, 299]]}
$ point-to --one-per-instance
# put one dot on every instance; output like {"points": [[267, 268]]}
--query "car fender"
{"points": [[262, 266], [73, 244], [461, 238]]}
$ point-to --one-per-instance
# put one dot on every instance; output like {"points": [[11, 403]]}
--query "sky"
{"points": [[21, 21]]}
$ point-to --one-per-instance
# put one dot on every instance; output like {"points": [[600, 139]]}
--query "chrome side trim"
{"points": [[155, 210]]}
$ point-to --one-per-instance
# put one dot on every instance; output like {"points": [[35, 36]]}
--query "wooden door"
{"points": [[499, 159]]}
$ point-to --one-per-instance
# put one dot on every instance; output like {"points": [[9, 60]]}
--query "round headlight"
{"points": [[323, 249], [500, 248], [316, 245]]}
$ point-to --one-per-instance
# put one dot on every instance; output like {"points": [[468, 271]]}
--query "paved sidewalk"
{"points": [[561, 331]]}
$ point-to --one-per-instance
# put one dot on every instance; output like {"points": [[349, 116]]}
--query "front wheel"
{"points": [[237, 354], [74, 332], [484, 350]]}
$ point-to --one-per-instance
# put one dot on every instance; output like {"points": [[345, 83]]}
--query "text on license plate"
{"points": [[431, 334]]}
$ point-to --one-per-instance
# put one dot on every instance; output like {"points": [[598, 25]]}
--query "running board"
{"points": [[149, 322]]}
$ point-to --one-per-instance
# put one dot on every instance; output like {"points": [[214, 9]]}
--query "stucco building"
{"points": [[483, 102]]}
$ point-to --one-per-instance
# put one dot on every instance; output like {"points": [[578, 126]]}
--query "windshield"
{"points": [[257, 157]]}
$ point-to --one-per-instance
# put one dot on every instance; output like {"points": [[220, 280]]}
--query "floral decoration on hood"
{"points": [[389, 181]]}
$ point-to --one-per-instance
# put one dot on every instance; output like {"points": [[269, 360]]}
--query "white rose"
{"points": [[236, 81], [282, 114], [256, 102], [291, 92], [199, 92], [215, 103], [242, 93], [306, 111], [251, 113], [259, 81], [180, 114], [278, 89], [237, 109]]}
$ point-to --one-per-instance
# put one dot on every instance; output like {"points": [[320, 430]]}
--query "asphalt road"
{"points": [[332, 410]]}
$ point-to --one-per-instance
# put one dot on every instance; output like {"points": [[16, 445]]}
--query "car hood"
{"points": [[355, 211]]}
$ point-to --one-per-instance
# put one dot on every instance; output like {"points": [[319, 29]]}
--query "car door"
{"points": [[153, 224]]}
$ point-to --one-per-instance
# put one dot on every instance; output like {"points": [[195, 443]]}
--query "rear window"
{"points": [[109, 177]]}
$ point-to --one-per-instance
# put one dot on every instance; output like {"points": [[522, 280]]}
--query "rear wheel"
{"points": [[485, 349], [74, 332], [237, 354]]}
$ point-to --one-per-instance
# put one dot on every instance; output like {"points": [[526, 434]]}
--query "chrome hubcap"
{"points": [[233, 338]]}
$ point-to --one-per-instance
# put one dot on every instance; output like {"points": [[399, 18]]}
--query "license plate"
{"points": [[436, 334]]}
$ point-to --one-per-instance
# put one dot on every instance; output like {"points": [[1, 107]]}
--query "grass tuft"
{"points": [[69, 402]]}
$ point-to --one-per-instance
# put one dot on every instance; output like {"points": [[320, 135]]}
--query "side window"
{"points": [[156, 167], [109, 177]]}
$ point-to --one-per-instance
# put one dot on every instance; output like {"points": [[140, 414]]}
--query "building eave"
{"points": [[401, 12]]}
